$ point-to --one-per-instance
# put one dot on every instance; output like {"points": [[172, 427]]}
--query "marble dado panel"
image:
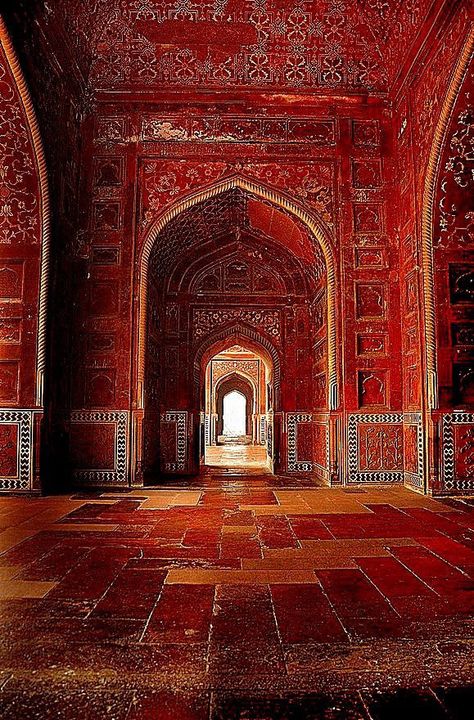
{"points": [[457, 452], [99, 447], [413, 451], [16, 449], [375, 448], [299, 442], [174, 440], [307, 443]]}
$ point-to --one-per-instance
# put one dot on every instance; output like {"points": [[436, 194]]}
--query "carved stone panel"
{"points": [[366, 133], [370, 301], [99, 447], [375, 448], [9, 381], [366, 173], [372, 387], [11, 280], [368, 218], [457, 432], [461, 283]]}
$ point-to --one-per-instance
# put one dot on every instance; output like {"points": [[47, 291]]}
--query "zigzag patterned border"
{"points": [[119, 475], [292, 420], [356, 475], [180, 417], [415, 480], [23, 419], [448, 473]]}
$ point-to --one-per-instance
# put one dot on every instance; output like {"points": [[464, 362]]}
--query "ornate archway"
{"points": [[279, 200], [24, 268], [429, 310]]}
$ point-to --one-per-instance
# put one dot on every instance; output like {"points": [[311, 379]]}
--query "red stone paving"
{"points": [[334, 604]]}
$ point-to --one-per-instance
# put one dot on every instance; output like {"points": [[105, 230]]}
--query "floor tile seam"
{"points": [[272, 602], [211, 628], [379, 590], [59, 545], [448, 562], [83, 558], [418, 577], [148, 620], [334, 610], [99, 599], [37, 559]]}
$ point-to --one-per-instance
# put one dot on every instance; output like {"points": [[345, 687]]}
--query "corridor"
{"points": [[237, 459], [241, 598]]}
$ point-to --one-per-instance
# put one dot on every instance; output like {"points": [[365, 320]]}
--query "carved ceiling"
{"points": [[258, 44], [234, 228]]}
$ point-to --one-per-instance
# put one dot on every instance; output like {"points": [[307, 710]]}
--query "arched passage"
{"points": [[319, 237], [24, 275], [232, 264], [234, 382]]}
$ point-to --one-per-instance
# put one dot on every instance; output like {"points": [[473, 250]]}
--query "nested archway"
{"points": [[234, 382], [231, 267], [316, 232]]}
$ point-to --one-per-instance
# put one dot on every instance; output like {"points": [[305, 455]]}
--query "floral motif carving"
{"points": [[19, 202], [456, 215], [204, 321], [298, 45], [164, 182], [381, 448]]}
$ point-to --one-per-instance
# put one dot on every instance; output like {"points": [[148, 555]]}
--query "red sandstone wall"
{"points": [[339, 166], [335, 157], [22, 231], [419, 104]]}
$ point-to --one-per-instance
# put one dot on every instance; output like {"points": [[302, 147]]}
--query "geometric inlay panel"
{"points": [[375, 448], [16, 449], [103, 462], [296, 424], [457, 431]]}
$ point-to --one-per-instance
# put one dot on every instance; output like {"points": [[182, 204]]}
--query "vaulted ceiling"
{"points": [[286, 45], [233, 223]]}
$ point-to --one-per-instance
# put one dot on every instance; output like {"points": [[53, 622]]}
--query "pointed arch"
{"points": [[427, 259], [240, 334], [43, 194], [279, 200]]}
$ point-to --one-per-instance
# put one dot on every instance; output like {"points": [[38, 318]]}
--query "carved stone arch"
{"points": [[429, 197], [240, 334], [24, 265], [43, 234], [279, 199], [242, 383], [237, 372]]}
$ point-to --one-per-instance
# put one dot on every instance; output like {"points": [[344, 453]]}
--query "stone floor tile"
{"points": [[404, 704], [132, 594], [291, 707], [167, 705], [220, 577], [182, 614], [25, 589], [304, 615]]}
